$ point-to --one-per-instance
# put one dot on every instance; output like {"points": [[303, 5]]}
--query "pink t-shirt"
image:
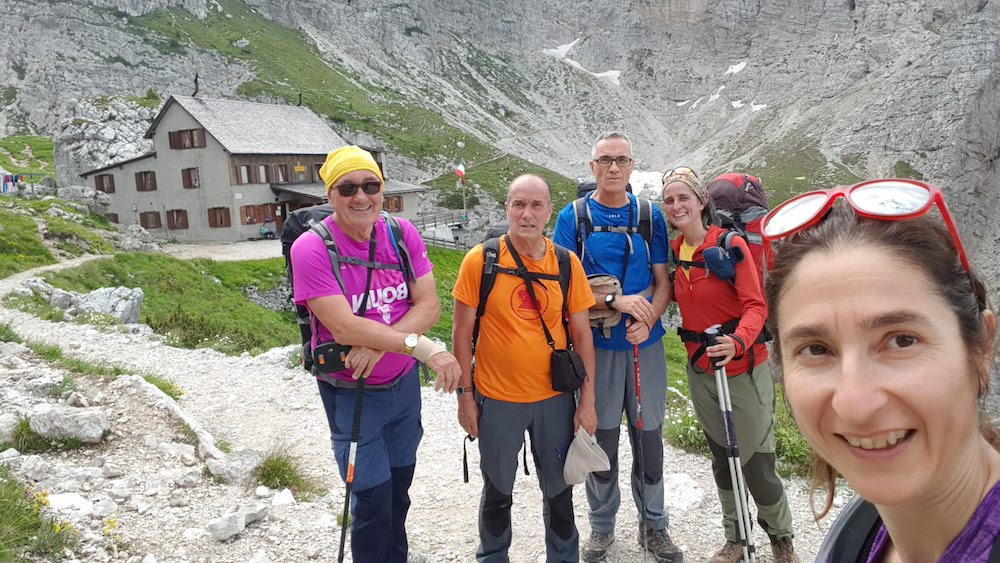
{"points": [[387, 297]]}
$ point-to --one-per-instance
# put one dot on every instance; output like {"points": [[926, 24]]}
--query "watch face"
{"points": [[410, 341]]}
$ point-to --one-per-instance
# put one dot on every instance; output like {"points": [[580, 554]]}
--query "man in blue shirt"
{"points": [[615, 247]]}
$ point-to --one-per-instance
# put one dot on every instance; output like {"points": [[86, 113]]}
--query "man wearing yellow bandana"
{"points": [[373, 317]]}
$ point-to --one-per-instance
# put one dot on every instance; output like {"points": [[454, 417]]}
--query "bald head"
{"points": [[529, 182]]}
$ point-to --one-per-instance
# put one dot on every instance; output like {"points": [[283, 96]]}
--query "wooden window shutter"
{"points": [[140, 182]]}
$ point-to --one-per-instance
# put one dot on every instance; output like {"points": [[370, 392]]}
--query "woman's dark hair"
{"points": [[924, 243]]}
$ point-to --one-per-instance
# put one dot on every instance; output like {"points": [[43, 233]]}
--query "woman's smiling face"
{"points": [[877, 373]]}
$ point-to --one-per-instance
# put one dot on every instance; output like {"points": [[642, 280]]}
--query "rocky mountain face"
{"points": [[802, 92]]}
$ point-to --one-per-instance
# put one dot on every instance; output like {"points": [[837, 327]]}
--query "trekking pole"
{"points": [[351, 457], [638, 448], [743, 520]]}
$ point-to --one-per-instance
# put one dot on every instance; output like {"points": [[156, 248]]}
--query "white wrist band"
{"points": [[426, 348]]}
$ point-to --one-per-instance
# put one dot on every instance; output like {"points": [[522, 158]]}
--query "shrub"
{"points": [[168, 387], [280, 470]]}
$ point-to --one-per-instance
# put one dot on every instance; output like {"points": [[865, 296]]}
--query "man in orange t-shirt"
{"points": [[513, 385]]}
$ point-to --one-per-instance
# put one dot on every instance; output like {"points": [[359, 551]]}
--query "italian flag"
{"points": [[460, 170]]}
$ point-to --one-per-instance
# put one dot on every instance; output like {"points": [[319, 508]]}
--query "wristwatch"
{"points": [[609, 299], [410, 342]]}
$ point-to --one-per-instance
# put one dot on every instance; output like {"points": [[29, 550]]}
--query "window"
{"points": [[263, 173], [111, 217], [187, 139], [177, 219], [316, 167], [244, 174], [149, 219], [393, 203], [280, 173], [190, 179], [104, 183], [145, 181], [253, 214], [218, 217]]}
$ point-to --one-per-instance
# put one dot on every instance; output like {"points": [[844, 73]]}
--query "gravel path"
{"points": [[255, 403]]}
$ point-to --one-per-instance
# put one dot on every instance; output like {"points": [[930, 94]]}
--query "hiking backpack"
{"points": [[311, 219], [852, 535], [642, 225], [740, 207]]}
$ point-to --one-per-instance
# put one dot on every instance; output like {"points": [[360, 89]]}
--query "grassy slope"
{"points": [[194, 303], [286, 63], [33, 155]]}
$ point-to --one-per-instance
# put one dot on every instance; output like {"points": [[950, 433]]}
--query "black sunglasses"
{"points": [[370, 188]]}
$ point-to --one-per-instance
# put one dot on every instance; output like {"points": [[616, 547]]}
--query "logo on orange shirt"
{"points": [[520, 301]]}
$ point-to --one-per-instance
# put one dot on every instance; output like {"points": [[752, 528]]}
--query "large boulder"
{"points": [[59, 422], [122, 303]]}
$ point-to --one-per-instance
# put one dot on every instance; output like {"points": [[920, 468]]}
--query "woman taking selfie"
{"points": [[885, 340]]}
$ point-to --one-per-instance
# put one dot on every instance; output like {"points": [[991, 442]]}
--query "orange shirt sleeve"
{"points": [[470, 275]]}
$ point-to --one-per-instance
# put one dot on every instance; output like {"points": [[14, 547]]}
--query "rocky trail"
{"points": [[144, 495]]}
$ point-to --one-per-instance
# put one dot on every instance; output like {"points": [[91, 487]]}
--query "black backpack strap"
{"points": [[324, 233], [402, 252], [565, 277], [584, 225], [491, 255], [995, 551], [646, 227], [856, 535]]}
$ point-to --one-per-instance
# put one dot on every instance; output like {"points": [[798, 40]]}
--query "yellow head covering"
{"points": [[344, 160]]}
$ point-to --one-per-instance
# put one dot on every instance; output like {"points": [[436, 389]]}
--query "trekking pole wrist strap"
{"points": [[426, 348]]}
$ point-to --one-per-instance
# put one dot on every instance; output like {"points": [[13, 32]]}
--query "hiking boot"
{"points": [[783, 551], [658, 542], [597, 546], [729, 553]]}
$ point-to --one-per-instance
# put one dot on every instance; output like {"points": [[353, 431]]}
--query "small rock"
{"points": [[311, 552], [112, 471], [262, 492], [177, 498], [188, 460], [284, 498], [192, 534], [149, 559], [226, 526], [9, 453]]}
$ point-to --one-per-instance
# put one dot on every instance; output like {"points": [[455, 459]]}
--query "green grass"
{"points": [[902, 169], [66, 386], [184, 302], [24, 529], [495, 175], [264, 274], [7, 334], [76, 239], [280, 470], [26, 441], [27, 154], [286, 63], [168, 387], [20, 246], [54, 356], [446, 264]]}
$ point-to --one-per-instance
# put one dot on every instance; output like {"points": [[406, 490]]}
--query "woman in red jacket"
{"points": [[738, 305]]}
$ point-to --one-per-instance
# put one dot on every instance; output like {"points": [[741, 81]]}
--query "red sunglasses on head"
{"points": [[888, 200]]}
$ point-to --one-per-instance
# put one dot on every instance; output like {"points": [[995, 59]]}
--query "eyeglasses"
{"points": [[888, 200], [605, 161], [348, 190], [681, 171]]}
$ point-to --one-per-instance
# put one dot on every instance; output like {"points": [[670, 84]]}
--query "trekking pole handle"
{"points": [[712, 335]]}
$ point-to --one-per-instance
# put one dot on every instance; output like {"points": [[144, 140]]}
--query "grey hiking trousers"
{"points": [[614, 389], [501, 434]]}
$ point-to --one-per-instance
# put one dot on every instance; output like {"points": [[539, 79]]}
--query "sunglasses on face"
{"points": [[887, 200], [606, 161], [348, 190]]}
